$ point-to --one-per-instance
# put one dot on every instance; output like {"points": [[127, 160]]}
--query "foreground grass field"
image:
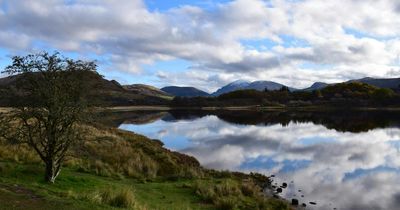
{"points": [[115, 169], [22, 187]]}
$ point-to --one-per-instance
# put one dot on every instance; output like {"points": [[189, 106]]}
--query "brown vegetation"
{"points": [[233, 193]]}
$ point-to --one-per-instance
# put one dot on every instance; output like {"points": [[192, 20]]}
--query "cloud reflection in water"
{"points": [[336, 169]]}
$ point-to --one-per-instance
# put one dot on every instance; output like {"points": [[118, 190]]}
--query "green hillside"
{"points": [[102, 92]]}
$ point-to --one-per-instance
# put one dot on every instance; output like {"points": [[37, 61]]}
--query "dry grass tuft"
{"points": [[235, 194], [18, 153], [122, 198]]}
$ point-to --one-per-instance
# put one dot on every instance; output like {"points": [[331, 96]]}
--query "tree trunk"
{"points": [[52, 171]]}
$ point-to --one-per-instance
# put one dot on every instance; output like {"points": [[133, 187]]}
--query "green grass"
{"points": [[114, 169], [22, 187], [169, 195], [10, 200], [19, 182]]}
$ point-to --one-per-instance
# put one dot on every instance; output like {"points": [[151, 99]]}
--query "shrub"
{"points": [[122, 198], [250, 189], [226, 203], [221, 194], [4, 168], [69, 194], [226, 188], [383, 93], [18, 153], [205, 193], [236, 194]]}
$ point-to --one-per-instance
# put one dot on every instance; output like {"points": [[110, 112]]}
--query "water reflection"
{"points": [[339, 160]]}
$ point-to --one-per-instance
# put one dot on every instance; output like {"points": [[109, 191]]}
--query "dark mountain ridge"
{"points": [[146, 90], [110, 93], [260, 85], [316, 86], [184, 91], [101, 92], [391, 83]]}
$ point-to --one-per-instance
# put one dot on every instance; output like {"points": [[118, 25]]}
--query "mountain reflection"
{"points": [[344, 121], [343, 160]]}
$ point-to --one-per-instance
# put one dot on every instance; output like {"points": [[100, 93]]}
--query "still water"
{"points": [[342, 160]]}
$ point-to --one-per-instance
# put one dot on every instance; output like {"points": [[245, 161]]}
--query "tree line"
{"points": [[342, 94]]}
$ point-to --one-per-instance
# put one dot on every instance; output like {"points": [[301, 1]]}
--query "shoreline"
{"points": [[248, 108], [235, 108]]}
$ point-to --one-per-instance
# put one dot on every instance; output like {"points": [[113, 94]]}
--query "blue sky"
{"points": [[210, 43], [161, 5]]}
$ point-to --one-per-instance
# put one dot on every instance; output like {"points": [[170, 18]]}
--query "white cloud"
{"points": [[346, 36]]}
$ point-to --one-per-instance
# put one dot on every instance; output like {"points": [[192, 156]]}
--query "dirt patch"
{"points": [[16, 197], [21, 191]]}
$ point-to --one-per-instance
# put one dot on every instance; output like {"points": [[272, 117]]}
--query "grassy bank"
{"points": [[22, 188], [115, 169]]}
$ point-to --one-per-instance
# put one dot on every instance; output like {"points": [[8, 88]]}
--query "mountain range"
{"points": [[236, 85], [113, 94], [392, 83]]}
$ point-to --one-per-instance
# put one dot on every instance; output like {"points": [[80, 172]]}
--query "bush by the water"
{"points": [[229, 194]]}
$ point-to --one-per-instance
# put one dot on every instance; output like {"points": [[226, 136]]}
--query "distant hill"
{"points": [[392, 83], [244, 85], [184, 91], [147, 90], [316, 86], [5, 81], [262, 85], [102, 92], [236, 85]]}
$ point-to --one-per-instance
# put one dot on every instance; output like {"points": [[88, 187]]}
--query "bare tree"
{"points": [[49, 107]]}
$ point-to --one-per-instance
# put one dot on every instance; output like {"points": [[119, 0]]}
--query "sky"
{"points": [[209, 43]]}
